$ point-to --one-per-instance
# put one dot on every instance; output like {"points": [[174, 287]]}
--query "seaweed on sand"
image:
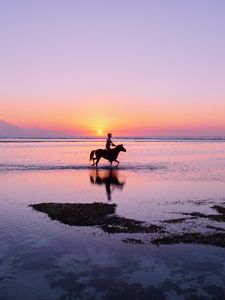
{"points": [[94, 214]]}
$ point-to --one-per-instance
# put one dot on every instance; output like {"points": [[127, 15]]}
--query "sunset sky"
{"points": [[153, 68]]}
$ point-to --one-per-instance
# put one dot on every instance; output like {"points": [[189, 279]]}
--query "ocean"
{"points": [[176, 184]]}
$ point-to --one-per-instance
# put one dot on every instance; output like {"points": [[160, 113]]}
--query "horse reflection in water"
{"points": [[109, 178]]}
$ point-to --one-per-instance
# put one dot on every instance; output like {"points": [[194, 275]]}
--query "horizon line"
{"points": [[119, 137]]}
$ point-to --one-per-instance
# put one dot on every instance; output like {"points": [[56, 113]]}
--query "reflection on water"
{"points": [[109, 178]]}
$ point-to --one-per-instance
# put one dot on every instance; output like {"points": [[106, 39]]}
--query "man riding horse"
{"points": [[108, 153], [109, 142]]}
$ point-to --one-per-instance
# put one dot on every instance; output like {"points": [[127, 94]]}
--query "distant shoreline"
{"points": [[124, 138]]}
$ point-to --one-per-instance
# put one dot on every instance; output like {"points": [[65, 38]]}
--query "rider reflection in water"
{"points": [[109, 142], [108, 178]]}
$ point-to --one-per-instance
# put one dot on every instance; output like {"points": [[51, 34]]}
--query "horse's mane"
{"points": [[117, 146]]}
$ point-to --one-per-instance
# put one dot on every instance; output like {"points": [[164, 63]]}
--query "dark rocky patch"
{"points": [[215, 228], [133, 241], [217, 239], [220, 217], [104, 216], [94, 214], [214, 217], [219, 209], [174, 221]]}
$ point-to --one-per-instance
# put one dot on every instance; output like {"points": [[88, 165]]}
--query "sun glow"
{"points": [[99, 131]]}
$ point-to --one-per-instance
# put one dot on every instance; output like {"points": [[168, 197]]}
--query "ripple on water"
{"points": [[132, 167]]}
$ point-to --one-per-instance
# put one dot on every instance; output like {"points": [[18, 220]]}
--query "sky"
{"points": [[154, 68]]}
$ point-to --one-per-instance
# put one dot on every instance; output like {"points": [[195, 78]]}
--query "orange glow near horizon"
{"points": [[96, 115]]}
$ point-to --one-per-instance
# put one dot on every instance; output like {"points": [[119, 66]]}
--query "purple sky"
{"points": [[162, 57]]}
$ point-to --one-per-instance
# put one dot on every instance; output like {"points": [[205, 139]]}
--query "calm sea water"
{"points": [[156, 180]]}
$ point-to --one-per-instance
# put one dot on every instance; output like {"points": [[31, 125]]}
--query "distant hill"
{"points": [[9, 130]]}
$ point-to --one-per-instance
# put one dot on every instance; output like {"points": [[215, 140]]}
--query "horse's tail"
{"points": [[92, 154]]}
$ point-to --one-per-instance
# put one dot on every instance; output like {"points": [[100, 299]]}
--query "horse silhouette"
{"points": [[110, 155], [108, 178]]}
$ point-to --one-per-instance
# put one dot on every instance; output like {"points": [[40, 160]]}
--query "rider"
{"points": [[109, 142]]}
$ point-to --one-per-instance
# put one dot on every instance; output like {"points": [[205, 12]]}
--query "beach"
{"points": [[164, 234]]}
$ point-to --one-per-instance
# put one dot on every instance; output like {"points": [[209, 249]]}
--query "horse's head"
{"points": [[121, 148]]}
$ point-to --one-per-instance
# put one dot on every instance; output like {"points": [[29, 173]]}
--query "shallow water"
{"points": [[156, 180]]}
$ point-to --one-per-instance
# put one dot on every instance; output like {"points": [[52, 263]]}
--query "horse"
{"points": [[110, 155]]}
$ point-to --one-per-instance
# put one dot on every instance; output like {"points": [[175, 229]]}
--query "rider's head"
{"points": [[109, 135]]}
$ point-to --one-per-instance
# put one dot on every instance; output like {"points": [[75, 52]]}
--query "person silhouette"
{"points": [[109, 142]]}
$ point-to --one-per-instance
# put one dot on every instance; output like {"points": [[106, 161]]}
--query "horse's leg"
{"points": [[94, 161], [117, 162], [110, 164], [98, 159]]}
